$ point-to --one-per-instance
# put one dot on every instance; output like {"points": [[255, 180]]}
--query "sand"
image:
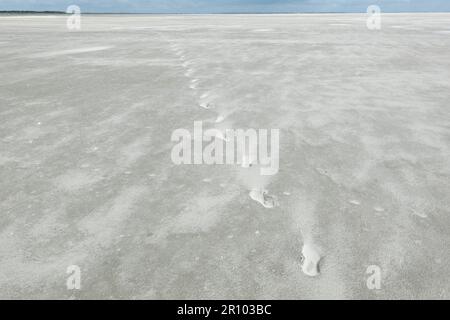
{"points": [[87, 179]]}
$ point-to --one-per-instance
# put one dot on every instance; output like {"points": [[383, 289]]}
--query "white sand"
{"points": [[86, 176]]}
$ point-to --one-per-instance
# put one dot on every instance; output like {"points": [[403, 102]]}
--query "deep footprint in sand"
{"points": [[311, 259], [263, 197]]}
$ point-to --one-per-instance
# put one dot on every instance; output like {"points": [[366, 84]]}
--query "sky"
{"points": [[227, 6]]}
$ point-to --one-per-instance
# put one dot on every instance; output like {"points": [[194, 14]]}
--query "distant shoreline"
{"points": [[32, 12]]}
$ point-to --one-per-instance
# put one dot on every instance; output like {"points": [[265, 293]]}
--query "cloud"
{"points": [[216, 6]]}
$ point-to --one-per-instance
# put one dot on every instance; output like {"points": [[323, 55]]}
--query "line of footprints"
{"points": [[310, 254]]}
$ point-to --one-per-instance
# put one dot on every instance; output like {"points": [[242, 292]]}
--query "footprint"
{"points": [[220, 135], [248, 161], [311, 258], [262, 197], [206, 99], [322, 171], [220, 119], [193, 84], [205, 105], [420, 214]]}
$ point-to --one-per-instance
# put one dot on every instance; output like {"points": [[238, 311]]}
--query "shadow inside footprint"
{"points": [[263, 198], [310, 260]]}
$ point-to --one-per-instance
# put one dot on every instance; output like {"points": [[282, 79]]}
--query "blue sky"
{"points": [[226, 6]]}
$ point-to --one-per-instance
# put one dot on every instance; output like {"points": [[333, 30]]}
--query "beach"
{"points": [[87, 177]]}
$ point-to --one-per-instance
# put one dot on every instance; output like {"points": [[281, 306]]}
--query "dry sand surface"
{"points": [[86, 176]]}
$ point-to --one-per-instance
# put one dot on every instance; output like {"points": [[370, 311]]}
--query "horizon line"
{"points": [[208, 13]]}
